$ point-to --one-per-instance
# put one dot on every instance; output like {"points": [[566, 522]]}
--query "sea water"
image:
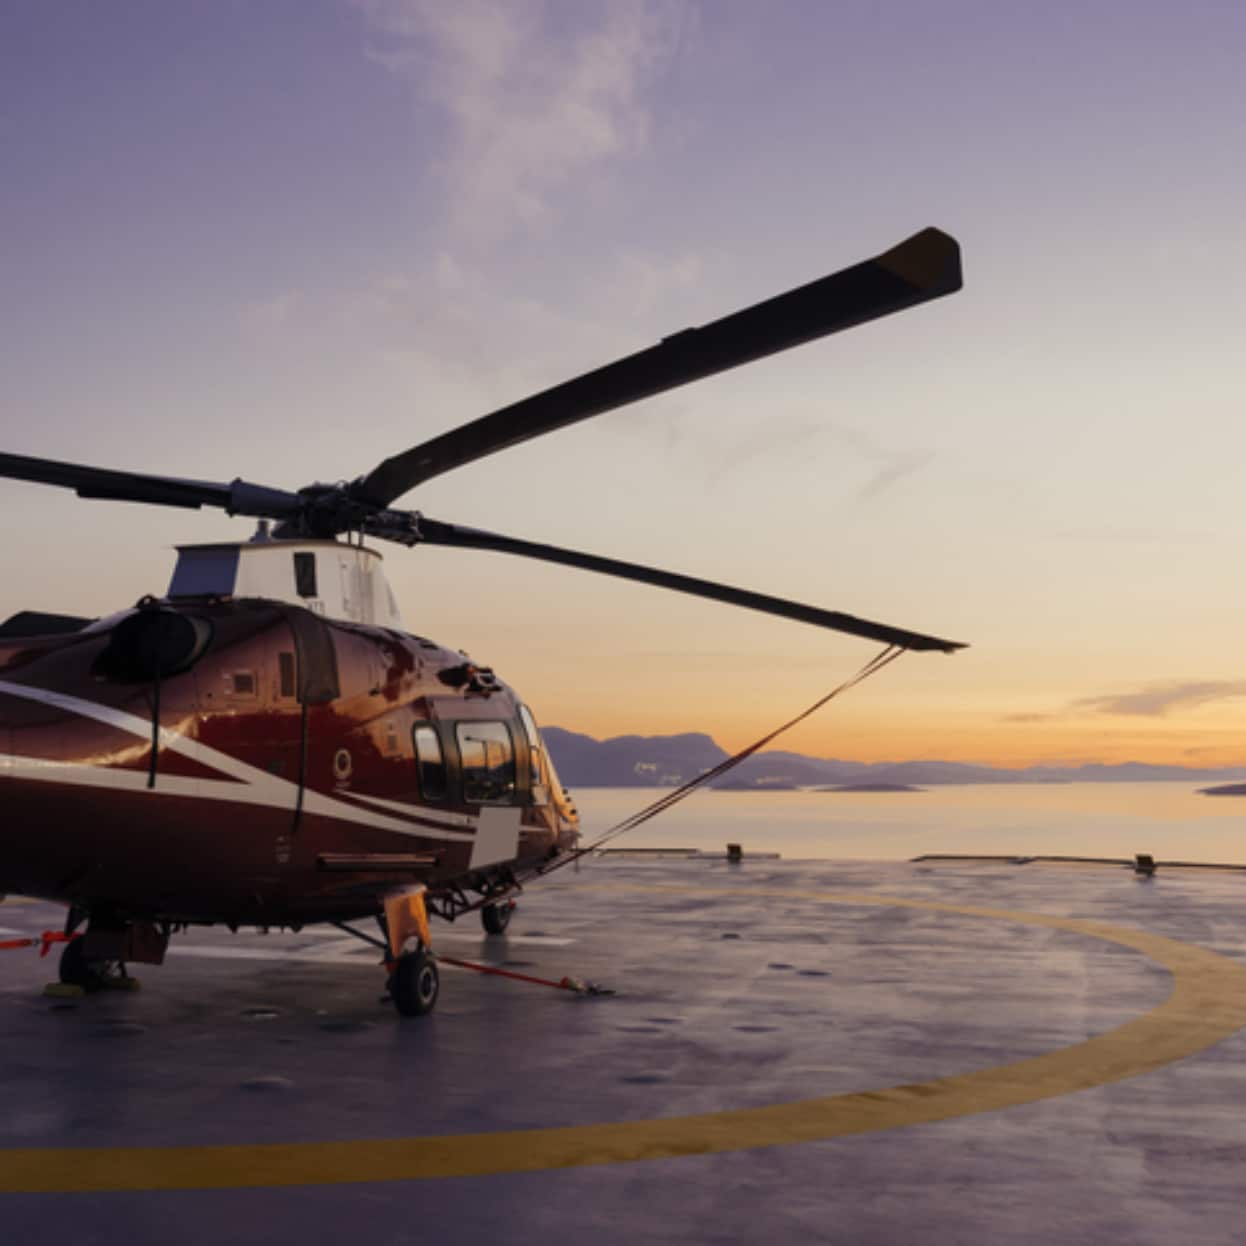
{"points": [[1171, 821]]}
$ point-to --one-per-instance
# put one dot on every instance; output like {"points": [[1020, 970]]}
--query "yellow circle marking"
{"points": [[1207, 1004]]}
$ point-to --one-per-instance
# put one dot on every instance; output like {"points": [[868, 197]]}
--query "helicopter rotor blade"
{"points": [[435, 532], [923, 267], [238, 497]]}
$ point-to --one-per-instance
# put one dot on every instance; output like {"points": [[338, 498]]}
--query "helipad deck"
{"points": [[797, 1052]]}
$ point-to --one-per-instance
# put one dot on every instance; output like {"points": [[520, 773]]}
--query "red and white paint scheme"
{"points": [[213, 756]]}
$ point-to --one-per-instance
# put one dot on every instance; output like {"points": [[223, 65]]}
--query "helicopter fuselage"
{"points": [[247, 761]]}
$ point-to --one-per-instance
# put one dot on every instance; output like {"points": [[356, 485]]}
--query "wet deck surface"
{"points": [[931, 1063]]}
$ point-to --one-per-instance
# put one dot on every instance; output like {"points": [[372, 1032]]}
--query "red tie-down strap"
{"points": [[564, 984], [43, 942]]}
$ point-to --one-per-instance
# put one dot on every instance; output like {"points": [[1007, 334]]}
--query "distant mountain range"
{"points": [[666, 761]]}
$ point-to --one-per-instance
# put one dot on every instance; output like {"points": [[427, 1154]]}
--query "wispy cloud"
{"points": [[1156, 701], [521, 104], [534, 93], [1159, 700]]}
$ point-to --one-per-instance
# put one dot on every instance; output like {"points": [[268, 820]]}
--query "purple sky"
{"points": [[284, 240]]}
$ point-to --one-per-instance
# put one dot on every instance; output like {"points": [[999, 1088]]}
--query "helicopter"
{"points": [[266, 746]]}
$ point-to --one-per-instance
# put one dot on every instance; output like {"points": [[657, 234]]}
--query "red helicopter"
{"points": [[266, 746]]}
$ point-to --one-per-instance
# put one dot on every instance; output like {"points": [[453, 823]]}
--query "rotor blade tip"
{"points": [[929, 260]]}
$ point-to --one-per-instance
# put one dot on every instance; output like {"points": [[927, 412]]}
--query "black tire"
{"points": [[75, 969], [415, 984], [496, 917]]}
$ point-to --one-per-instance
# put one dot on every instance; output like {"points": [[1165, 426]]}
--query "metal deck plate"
{"points": [[818, 1051]]}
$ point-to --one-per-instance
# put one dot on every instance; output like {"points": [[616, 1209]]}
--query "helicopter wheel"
{"points": [[496, 917], [414, 983]]}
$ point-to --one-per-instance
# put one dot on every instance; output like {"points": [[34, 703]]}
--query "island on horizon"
{"points": [[755, 785], [870, 787]]}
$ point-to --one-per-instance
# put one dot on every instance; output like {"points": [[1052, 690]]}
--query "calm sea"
{"points": [[1168, 820]]}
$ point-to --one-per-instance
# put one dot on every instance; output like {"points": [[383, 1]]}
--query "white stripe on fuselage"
{"points": [[256, 787], [416, 811]]}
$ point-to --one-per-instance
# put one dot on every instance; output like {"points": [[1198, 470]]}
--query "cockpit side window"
{"points": [[534, 746], [487, 757], [429, 762]]}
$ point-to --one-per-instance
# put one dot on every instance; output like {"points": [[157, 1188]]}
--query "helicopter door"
{"points": [[299, 673], [489, 780]]}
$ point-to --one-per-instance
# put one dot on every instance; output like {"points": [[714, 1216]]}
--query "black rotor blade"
{"points": [[238, 497], [434, 532], [923, 267]]}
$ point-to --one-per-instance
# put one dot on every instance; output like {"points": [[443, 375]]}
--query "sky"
{"points": [[284, 239]]}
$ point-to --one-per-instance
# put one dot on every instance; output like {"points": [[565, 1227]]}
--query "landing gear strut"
{"points": [[496, 917], [96, 958], [75, 969], [413, 977], [91, 975]]}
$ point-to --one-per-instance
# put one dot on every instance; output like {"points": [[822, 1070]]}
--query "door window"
{"points": [[488, 760]]}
